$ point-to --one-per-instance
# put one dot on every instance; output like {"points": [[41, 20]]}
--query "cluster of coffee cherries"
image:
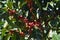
{"points": [[11, 12], [29, 24], [22, 34]]}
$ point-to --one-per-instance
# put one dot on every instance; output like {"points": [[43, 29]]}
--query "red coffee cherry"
{"points": [[31, 24], [36, 23], [22, 34], [11, 31], [20, 17], [11, 12], [26, 20], [29, 3]]}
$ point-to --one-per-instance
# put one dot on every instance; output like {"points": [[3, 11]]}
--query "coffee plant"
{"points": [[29, 19]]}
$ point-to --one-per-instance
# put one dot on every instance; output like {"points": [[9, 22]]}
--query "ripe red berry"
{"points": [[11, 31], [11, 12], [29, 3], [31, 24], [37, 23], [22, 34], [20, 17], [26, 20]]}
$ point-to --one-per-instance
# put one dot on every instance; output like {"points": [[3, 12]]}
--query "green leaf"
{"points": [[56, 0], [10, 4], [22, 4], [10, 23], [38, 4], [13, 37], [4, 9], [1, 23], [56, 37], [7, 37], [3, 32]]}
